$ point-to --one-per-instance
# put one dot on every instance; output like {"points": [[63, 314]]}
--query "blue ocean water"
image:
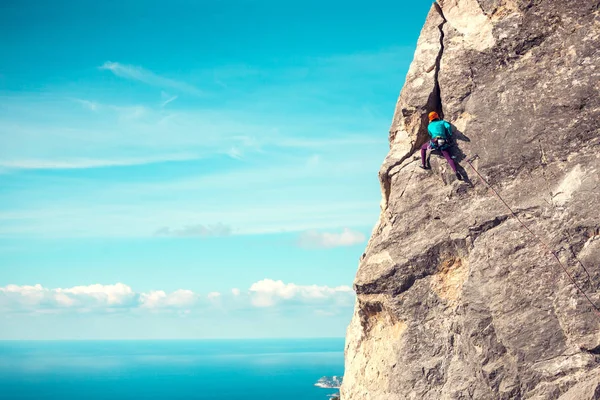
{"points": [[206, 369]]}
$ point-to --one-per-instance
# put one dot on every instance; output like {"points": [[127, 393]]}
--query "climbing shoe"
{"points": [[425, 166], [459, 176]]}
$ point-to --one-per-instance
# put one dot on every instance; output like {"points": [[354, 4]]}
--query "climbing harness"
{"points": [[439, 143], [546, 247]]}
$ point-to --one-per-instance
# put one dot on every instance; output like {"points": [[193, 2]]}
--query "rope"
{"points": [[595, 307]]}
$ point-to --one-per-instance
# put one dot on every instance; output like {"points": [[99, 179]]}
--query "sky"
{"points": [[192, 169]]}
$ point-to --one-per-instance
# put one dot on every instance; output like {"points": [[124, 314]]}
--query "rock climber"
{"points": [[441, 133]]}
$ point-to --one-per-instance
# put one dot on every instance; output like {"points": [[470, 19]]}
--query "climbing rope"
{"points": [[595, 307]]}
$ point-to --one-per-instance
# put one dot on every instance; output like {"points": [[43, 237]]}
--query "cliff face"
{"points": [[455, 300]]}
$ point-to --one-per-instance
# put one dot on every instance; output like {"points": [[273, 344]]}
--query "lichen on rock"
{"points": [[455, 300]]}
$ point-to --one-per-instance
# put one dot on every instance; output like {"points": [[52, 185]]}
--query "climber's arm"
{"points": [[448, 128]]}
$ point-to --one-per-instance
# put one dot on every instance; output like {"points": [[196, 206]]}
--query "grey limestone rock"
{"points": [[455, 299]]}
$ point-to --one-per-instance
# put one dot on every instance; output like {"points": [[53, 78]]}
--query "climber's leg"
{"points": [[448, 158], [424, 155]]}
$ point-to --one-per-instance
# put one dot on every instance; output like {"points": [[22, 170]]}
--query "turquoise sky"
{"points": [[191, 169]]}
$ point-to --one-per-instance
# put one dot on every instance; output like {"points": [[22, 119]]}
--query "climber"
{"points": [[441, 133]]}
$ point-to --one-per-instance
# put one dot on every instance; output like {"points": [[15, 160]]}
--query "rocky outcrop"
{"points": [[455, 300]]}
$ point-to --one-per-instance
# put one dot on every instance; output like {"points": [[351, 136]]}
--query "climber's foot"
{"points": [[459, 176], [425, 166]]}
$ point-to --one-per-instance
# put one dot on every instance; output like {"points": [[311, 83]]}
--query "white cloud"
{"points": [[148, 77], [92, 296], [216, 230], [64, 300], [106, 298], [160, 299], [153, 299], [111, 295], [27, 295], [268, 292], [347, 237]]}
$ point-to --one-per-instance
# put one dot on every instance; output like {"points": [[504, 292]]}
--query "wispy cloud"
{"points": [[61, 216], [236, 153], [123, 112], [301, 151], [315, 239], [85, 163], [313, 161], [122, 131], [91, 105], [148, 77], [216, 230], [98, 297], [167, 98]]}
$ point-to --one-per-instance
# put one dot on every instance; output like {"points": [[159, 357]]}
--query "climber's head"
{"points": [[433, 116]]}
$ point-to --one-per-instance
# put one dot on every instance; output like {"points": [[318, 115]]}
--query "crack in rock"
{"points": [[434, 102]]}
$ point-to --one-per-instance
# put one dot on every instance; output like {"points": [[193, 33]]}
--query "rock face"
{"points": [[455, 300]]}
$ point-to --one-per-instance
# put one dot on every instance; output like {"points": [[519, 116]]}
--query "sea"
{"points": [[196, 369]]}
